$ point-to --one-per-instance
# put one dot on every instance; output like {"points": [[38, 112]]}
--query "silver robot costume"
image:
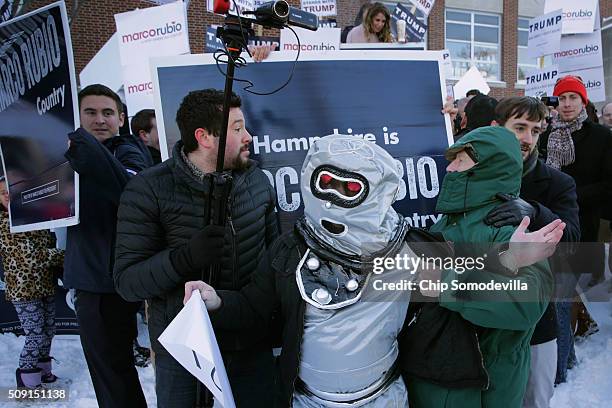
{"points": [[349, 345]]}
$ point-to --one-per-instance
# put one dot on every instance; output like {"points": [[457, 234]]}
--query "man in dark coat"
{"points": [[546, 195], [165, 240], [104, 162]]}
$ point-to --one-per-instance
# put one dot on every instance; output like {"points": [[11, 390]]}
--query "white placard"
{"points": [[579, 51], [154, 31], [593, 79], [578, 15], [321, 8], [324, 39], [544, 34], [541, 82], [472, 79], [190, 339], [424, 5], [138, 87]]}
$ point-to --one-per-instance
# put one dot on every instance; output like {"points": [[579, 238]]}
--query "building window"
{"points": [[473, 39], [524, 64]]}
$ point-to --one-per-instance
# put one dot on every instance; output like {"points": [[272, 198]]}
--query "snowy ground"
{"points": [[589, 384]]}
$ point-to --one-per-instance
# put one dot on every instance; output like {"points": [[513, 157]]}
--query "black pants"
{"points": [[250, 374], [108, 329]]}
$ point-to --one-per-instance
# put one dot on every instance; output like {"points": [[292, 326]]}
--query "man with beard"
{"points": [[165, 240], [546, 194]]}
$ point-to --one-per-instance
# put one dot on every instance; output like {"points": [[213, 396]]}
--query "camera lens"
{"points": [[281, 9]]}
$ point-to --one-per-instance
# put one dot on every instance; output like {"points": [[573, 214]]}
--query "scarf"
{"points": [[560, 147]]}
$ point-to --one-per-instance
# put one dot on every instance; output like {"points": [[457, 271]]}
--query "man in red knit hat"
{"points": [[582, 149]]}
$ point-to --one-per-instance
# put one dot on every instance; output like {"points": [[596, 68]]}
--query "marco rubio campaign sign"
{"points": [[593, 79], [544, 36], [138, 88], [579, 51], [154, 31], [541, 82], [321, 8], [578, 15], [324, 39]]}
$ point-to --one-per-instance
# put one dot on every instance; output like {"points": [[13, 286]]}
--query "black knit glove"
{"points": [[202, 250], [511, 212]]}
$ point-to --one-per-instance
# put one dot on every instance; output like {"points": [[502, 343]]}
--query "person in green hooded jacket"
{"points": [[485, 162]]}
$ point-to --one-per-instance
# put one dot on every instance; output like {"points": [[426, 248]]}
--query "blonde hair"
{"points": [[385, 33]]}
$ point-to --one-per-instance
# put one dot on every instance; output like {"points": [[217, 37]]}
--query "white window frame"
{"points": [[474, 43]]}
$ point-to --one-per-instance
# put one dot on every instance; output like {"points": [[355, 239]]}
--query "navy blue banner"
{"points": [[36, 115], [394, 103], [415, 29]]}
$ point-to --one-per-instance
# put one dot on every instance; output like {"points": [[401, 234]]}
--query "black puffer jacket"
{"points": [[160, 210]]}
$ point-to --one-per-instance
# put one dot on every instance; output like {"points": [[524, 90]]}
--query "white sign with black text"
{"points": [[541, 82], [544, 34], [593, 79], [321, 8], [424, 5]]}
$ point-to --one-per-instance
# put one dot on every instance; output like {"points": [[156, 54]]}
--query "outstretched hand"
{"points": [[450, 108], [208, 293], [527, 248]]}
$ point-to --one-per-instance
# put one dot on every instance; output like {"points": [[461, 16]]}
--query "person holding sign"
{"points": [[376, 27]]}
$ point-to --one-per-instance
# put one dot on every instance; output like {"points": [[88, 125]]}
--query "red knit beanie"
{"points": [[570, 83]]}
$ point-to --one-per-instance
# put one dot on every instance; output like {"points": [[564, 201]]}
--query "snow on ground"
{"points": [[589, 384]]}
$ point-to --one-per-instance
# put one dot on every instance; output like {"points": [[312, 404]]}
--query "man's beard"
{"points": [[239, 163]]}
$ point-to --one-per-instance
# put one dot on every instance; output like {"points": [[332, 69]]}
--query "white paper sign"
{"points": [[593, 81], [321, 8], [324, 39], [138, 87], [154, 31], [541, 82], [544, 34], [472, 79], [579, 51], [191, 340], [578, 15], [424, 5]]}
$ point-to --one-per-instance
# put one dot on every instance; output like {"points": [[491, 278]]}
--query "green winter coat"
{"points": [[505, 325]]}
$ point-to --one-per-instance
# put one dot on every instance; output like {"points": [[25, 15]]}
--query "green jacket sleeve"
{"points": [[503, 307]]}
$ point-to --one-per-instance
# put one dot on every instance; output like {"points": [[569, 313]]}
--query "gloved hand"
{"points": [[202, 250], [511, 212]]}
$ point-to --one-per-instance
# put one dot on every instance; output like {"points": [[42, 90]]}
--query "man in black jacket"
{"points": [[165, 240], [107, 323], [546, 194]]}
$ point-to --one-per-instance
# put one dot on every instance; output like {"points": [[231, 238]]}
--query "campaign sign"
{"points": [[541, 82], [415, 29], [335, 92], [320, 8], [578, 16], [544, 36], [579, 51], [38, 109]]}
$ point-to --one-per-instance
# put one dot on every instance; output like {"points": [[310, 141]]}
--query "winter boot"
{"points": [[29, 378], [45, 365]]}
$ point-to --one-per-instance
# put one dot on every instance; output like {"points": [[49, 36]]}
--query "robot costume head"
{"points": [[348, 186]]}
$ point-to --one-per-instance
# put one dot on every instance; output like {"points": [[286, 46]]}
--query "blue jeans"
{"points": [[566, 355], [250, 374]]}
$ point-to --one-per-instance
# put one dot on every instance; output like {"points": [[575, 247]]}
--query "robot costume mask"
{"points": [[348, 186]]}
